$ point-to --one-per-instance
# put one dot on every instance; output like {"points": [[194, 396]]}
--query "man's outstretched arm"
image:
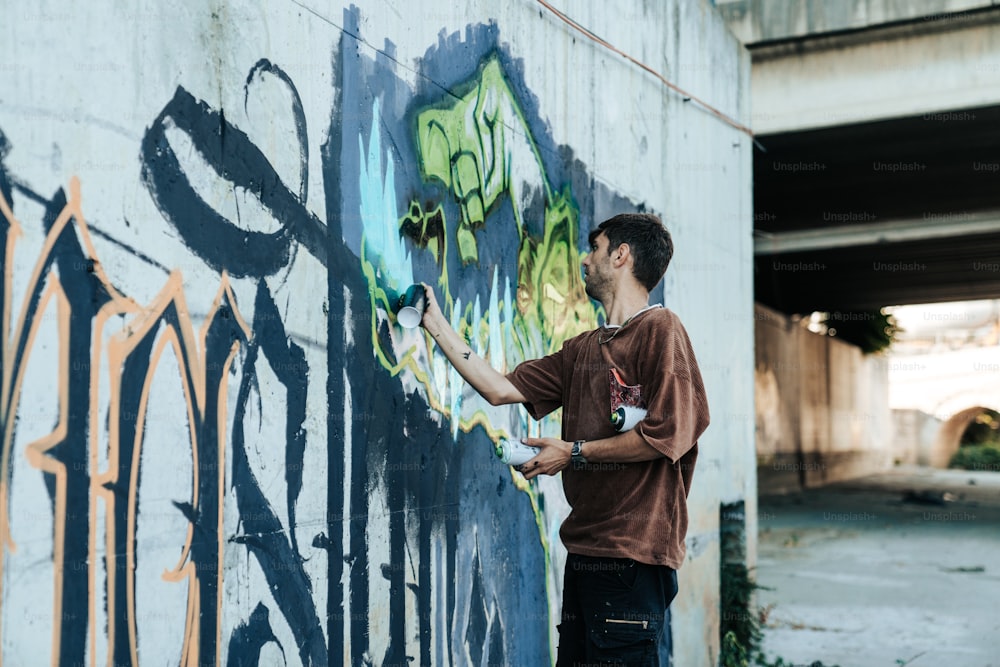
{"points": [[491, 385]]}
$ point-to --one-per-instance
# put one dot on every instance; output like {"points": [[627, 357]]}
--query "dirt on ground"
{"points": [[901, 568]]}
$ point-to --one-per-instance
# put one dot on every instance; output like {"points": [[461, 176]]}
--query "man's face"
{"points": [[597, 277]]}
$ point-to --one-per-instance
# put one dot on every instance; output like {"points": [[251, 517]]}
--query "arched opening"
{"points": [[949, 437]]}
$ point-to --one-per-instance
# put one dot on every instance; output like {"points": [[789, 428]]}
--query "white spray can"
{"points": [[626, 417], [515, 452]]}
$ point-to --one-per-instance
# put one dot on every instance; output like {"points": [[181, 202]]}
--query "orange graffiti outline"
{"points": [[35, 453], [120, 344], [194, 381], [6, 541], [98, 489], [119, 349], [11, 390]]}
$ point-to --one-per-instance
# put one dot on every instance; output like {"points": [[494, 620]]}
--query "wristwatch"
{"points": [[576, 454]]}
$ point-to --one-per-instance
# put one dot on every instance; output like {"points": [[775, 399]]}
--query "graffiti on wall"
{"points": [[216, 486]]}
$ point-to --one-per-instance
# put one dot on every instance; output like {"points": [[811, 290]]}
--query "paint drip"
{"points": [[515, 452], [626, 417]]}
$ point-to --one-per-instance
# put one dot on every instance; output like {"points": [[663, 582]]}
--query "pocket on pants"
{"points": [[615, 575], [624, 641]]}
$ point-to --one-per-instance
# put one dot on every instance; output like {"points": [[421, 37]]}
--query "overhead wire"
{"points": [[672, 86]]}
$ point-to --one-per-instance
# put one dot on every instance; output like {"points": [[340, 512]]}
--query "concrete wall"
{"points": [[918, 439], [754, 21], [218, 447], [942, 76], [822, 407], [822, 63]]}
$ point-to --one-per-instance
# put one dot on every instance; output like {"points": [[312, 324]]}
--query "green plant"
{"points": [[977, 457], [779, 662], [734, 654], [871, 330], [739, 622]]}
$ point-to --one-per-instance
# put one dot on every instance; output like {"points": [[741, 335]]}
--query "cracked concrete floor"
{"points": [[900, 568]]}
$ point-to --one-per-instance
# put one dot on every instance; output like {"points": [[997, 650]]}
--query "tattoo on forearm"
{"points": [[467, 355]]}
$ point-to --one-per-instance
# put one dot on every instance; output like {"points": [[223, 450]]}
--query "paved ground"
{"points": [[896, 569]]}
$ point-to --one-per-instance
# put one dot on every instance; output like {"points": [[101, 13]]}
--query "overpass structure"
{"points": [[876, 183], [877, 173]]}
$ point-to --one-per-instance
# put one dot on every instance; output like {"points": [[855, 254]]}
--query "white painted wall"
{"points": [[80, 86]]}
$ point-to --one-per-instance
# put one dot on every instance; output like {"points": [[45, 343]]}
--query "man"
{"points": [[627, 491]]}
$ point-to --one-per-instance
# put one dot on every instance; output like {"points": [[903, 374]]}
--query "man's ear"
{"points": [[621, 253]]}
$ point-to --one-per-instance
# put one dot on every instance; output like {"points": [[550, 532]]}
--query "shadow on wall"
{"points": [[821, 407]]}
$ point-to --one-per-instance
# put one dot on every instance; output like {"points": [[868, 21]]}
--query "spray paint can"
{"points": [[515, 452], [410, 306], [626, 417]]}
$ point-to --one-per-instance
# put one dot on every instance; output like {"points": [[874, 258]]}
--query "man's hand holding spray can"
{"points": [[516, 453], [410, 306]]}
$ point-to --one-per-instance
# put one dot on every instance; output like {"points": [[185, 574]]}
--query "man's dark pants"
{"points": [[615, 613]]}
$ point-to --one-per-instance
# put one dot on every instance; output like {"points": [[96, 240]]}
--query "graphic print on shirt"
{"points": [[627, 405], [623, 394]]}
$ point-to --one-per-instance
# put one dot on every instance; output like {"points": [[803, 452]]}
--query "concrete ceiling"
{"points": [[866, 215]]}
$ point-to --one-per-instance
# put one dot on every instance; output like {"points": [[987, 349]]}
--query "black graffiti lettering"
{"points": [[265, 66], [264, 536], [250, 637], [85, 294], [232, 155], [288, 362]]}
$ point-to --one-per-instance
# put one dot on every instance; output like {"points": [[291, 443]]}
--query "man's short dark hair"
{"points": [[648, 240]]}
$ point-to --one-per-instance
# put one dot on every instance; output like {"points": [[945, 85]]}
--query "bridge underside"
{"points": [[872, 214]]}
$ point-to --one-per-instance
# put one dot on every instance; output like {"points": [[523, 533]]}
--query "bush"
{"points": [[733, 653], [983, 430], [740, 624], [739, 620], [977, 457], [871, 330]]}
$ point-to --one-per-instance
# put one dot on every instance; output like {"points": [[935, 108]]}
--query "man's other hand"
{"points": [[553, 458]]}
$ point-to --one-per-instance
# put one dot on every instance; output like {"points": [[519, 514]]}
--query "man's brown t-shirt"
{"points": [[625, 510]]}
